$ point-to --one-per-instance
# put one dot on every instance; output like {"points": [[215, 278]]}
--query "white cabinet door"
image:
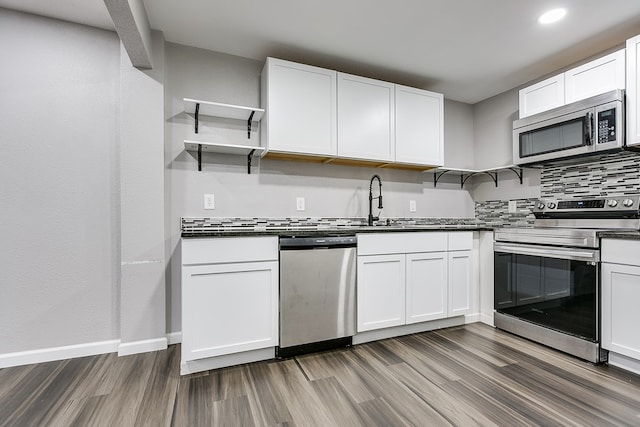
{"points": [[620, 314], [365, 118], [542, 96], [229, 308], [419, 126], [460, 283], [300, 104], [426, 287], [381, 291], [596, 77], [633, 93]]}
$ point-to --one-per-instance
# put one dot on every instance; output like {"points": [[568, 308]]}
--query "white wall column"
{"points": [[142, 289]]}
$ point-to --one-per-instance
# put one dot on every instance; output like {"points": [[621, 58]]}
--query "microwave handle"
{"points": [[589, 131]]}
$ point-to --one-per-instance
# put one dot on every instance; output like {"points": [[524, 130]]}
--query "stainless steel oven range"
{"points": [[547, 278]]}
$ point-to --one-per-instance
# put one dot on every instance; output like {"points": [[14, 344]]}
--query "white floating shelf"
{"points": [[462, 171], [212, 147], [465, 174], [218, 109]]}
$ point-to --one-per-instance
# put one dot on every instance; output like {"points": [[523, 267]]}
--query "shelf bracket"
{"points": [[494, 177], [199, 157], [249, 125], [519, 173], [437, 176], [196, 116], [249, 158], [464, 178]]}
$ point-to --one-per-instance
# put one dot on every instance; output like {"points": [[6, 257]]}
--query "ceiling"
{"points": [[470, 50]]}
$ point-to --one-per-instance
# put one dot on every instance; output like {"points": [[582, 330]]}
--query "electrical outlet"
{"points": [[209, 201], [512, 206], [300, 203], [412, 206]]}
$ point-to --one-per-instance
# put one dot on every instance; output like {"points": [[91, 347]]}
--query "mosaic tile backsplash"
{"points": [[610, 175], [495, 213]]}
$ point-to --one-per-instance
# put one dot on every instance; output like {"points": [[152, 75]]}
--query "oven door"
{"points": [[553, 287]]}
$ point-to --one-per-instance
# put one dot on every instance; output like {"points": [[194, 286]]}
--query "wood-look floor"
{"points": [[463, 376]]}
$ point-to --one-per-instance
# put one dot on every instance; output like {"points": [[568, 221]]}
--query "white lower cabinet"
{"points": [[229, 297], [420, 280], [381, 291], [620, 275], [460, 282], [620, 314], [426, 286]]}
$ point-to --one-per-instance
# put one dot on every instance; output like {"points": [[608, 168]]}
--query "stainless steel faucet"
{"points": [[371, 217]]}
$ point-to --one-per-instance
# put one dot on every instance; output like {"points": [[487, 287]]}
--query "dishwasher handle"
{"points": [[296, 243]]}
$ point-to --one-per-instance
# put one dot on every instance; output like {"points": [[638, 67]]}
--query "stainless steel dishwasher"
{"points": [[317, 293]]}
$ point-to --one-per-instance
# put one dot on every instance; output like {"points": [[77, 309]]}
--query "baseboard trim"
{"points": [[57, 353], [472, 318], [624, 362], [174, 338], [194, 366], [144, 346], [487, 319], [396, 331]]}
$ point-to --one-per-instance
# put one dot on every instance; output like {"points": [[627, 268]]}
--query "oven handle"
{"points": [[576, 254]]}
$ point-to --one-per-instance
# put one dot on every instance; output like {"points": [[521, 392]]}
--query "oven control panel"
{"points": [[610, 206]]}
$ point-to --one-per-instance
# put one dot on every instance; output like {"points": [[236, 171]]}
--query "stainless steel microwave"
{"points": [[590, 126]]}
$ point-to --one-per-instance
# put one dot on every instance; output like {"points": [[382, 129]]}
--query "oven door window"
{"points": [[560, 294]]}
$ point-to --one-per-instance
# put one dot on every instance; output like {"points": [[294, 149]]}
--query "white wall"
{"points": [[493, 144], [59, 197], [142, 284], [459, 150], [272, 187]]}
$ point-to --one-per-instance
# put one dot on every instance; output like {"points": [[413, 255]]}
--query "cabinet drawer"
{"points": [[218, 250], [460, 240], [401, 243], [620, 251]]}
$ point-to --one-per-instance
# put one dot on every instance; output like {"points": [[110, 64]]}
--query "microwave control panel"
{"points": [[607, 126]]}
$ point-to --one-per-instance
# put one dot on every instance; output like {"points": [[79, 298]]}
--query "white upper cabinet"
{"points": [[366, 118], [419, 126], [633, 95], [311, 111], [300, 104], [598, 76], [542, 96]]}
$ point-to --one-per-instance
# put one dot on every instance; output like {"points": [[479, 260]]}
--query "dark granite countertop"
{"points": [[344, 231], [620, 234], [223, 227]]}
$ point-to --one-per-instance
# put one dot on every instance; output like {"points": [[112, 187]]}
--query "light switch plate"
{"points": [[299, 203], [209, 201], [412, 206], [512, 206]]}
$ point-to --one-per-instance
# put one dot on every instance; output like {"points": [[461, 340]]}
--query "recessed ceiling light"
{"points": [[552, 16]]}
